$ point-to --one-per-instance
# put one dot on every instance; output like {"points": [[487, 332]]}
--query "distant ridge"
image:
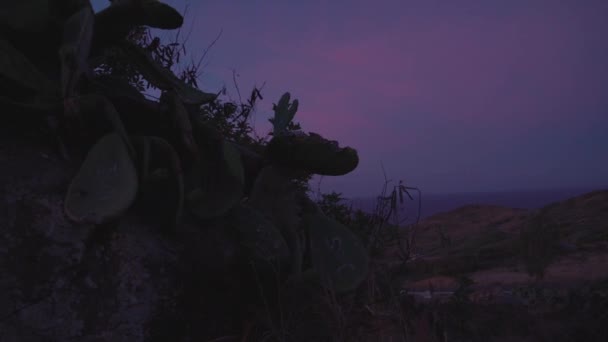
{"points": [[436, 203]]}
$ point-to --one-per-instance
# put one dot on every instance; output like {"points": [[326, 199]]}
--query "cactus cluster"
{"points": [[284, 111], [142, 147]]}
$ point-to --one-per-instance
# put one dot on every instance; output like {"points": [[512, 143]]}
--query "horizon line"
{"points": [[588, 188]]}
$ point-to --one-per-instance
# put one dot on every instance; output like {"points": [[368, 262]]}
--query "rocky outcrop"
{"points": [[128, 282]]}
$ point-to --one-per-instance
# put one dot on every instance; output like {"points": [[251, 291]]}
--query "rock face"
{"points": [[66, 282]]}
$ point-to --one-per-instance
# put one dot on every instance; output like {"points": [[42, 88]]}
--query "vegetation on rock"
{"points": [[86, 74]]}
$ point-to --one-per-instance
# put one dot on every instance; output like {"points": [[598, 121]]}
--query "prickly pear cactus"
{"points": [[163, 78], [337, 254], [19, 70], [283, 114], [232, 158], [167, 153], [77, 36], [156, 154], [106, 184], [113, 24], [26, 15], [221, 185], [274, 195], [151, 13], [260, 237], [312, 153]]}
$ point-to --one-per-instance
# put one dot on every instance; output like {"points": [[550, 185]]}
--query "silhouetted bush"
{"points": [[539, 244]]}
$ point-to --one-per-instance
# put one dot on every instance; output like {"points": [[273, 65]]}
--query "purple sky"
{"points": [[479, 96]]}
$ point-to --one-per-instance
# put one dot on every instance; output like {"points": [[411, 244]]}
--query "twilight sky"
{"points": [[450, 96]]}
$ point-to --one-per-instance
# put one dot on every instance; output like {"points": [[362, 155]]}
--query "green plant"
{"points": [[106, 184], [336, 253], [188, 148], [284, 111], [332, 206], [384, 231]]}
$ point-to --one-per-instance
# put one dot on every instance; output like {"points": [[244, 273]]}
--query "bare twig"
{"points": [[236, 85], [318, 194], [206, 51]]}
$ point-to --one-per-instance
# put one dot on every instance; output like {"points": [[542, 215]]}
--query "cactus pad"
{"points": [[106, 184], [151, 13], [222, 184], [337, 254], [159, 155], [18, 69], [26, 15], [283, 114], [312, 153], [274, 195], [232, 158], [259, 235], [163, 78], [77, 35]]}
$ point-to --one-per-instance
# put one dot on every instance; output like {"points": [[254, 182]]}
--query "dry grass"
{"points": [[484, 245]]}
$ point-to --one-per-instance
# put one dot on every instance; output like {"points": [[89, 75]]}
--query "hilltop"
{"points": [[485, 242], [497, 273]]}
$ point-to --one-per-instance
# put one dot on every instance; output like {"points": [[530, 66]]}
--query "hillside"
{"points": [[485, 242], [480, 276]]}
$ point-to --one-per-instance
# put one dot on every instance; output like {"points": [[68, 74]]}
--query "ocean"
{"points": [[432, 204]]}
